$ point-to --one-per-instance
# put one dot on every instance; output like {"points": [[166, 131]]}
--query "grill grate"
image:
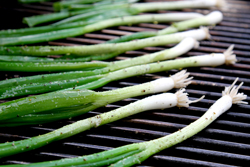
{"points": [[224, 143]]}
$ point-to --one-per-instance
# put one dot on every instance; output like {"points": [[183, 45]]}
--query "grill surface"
{"points": [[226, 142]]}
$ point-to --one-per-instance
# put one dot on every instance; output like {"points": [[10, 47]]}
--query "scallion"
{"points": [[212, 18], [93, 80], [64, 4], [85, 14], [51, 82], [208, 20], [49, 28], [175, 5], [105, 67], [75, 102], [142, 151], [195, 61], [133, 9], [199, 34], [35, 38], [161, 101]]}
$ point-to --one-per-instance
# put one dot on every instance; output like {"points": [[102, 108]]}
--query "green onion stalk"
{"points": [[160, 101], [60, 5], [42, 37], [84, 14], [211, 19], [50, 28], [136, 153], [14, 58], [56, 81], [95, 5], [195, 61], [69, 103], [105, 49], [19, 87], [79, 7], [177, 5], [102, 11]]}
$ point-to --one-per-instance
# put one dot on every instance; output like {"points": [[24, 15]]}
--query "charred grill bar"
{"points": [[226, 142]]}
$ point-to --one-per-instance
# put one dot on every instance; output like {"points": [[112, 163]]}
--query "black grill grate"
{"points": [[226, 142]]}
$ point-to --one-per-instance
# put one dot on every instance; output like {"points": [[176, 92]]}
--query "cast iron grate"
{"points": [[225, 143]]}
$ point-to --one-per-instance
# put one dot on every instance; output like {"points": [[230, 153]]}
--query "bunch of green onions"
{"points": [[196, 61], [211, 19], [51, 82], [93, 80], [125, 7], [70, 103], [48, 33], [9, 54], [199, 34], [160, 101], [135, 153], [70, 32], [93, 14]]}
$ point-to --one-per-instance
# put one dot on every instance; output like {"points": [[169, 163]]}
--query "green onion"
{"points": [[104, 48], [27, 31], [210, 19], [50, 66], [92, 80], [132, 9], [103, 10], [51, 82], [175, 5], [74, 102], [229, 96], [161, 101], [38, 19], [191, 42], [74, 66], [142, 151], [195, 61], [34, 30], [49, 28], [98, 9], [85, 14], [97, 26]]}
